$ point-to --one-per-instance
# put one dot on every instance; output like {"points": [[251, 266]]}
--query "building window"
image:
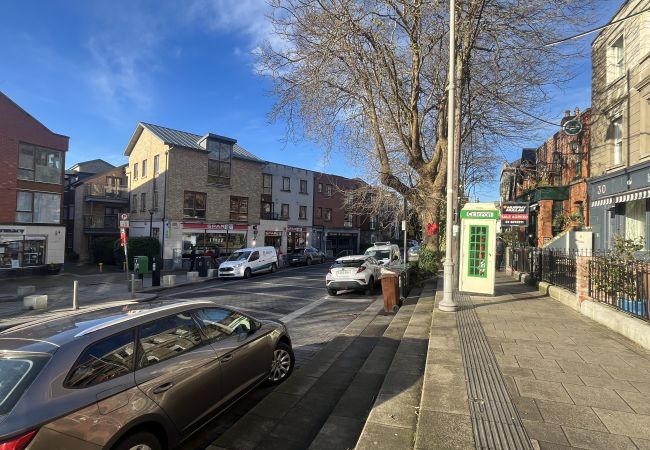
{"points": [[320, 188], [302, 213], [328, 214], [38, 207], [135, 171], [284, 211], [143, 201], [144, 168], [267, 183], [319, 212], [39, 164], [617, 137], [238, 209], [635, 220], [156, 164], [328, 190], [616, 58], [286, 184], [219, 165], [373, 222], [134, 203], [194, 205], [558, 210], [155, 200], [348, 220], [303, 186]]}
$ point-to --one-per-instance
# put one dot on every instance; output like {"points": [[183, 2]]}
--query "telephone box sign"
{"points": [[514, 214], [486, 214]]}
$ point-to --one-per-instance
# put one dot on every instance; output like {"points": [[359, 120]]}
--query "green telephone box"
{"points": [[477, 248]]}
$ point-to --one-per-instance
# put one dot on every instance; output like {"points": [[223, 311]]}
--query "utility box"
{"points": [[141, 265], [477, 248]]}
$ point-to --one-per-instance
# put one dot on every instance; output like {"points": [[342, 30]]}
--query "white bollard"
{"points": [[169, 280], [192, 276], [35, 302], [75, 289]]}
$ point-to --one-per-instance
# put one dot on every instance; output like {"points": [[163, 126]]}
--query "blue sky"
{"points": [[92, 70]]}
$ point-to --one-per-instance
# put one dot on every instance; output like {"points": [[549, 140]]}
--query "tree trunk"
{"points": [[429, 213]]}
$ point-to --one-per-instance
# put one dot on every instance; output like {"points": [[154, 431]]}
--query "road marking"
{"points": [[305, 309], [320, 288], [255, 311], [262, 294]]}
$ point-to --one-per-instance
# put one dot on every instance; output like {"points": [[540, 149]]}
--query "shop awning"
{"points": [[622, 197]]}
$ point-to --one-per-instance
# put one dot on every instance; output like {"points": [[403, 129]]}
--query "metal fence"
{"points": [[551, 265], [622, 284]]}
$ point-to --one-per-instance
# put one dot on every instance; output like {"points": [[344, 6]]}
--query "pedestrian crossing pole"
{"points": [[447, 303]]}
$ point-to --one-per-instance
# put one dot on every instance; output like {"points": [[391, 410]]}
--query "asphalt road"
{"points": [[298, 297]]}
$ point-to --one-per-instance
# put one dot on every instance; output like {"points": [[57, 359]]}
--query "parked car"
{"points": [[414, 253], [356, 272], [247, 261], [385, 253], [305, 255], [140, 376]]}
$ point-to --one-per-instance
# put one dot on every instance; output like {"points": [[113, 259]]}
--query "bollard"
{"points": [[75, 288], [132, 285], [101, 267]]}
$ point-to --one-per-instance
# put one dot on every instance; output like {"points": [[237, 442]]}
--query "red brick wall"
{"points": [[544, 221], [336, 202], [18, 126]]}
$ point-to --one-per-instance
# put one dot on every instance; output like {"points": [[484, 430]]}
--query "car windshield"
{"points": [[16, 374], [239, 256], [348, 263], [378, 254], [297, 250]]}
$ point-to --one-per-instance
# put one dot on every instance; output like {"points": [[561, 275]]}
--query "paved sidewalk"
{"points": [[574, 383]]}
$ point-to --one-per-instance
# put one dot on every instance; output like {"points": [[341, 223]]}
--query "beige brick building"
{"points": [[190, 190], [619, 190]]}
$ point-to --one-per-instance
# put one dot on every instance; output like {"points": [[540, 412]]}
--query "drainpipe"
{"points": [[164, 216]]}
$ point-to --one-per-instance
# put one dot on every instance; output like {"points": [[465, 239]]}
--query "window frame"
{"points": [[134, 202], [143, 201], [616, 59], [145, 165], [319, 212], [267, 189], [286, 184], [238, 215], [35, 152], [302, 216], [135, 171], [282, 215], [328, 214], [320, 188], [205, 203], [34, 211], [617, 142], [156, 165], [328, 190], [215, 165], [303, 183]]}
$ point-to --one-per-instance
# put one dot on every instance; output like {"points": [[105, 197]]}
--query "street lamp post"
{"points": [[151, 211], [447, 303]]}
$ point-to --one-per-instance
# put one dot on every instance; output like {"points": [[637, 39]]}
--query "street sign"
{"points": [[572, 127], [124, 220]]}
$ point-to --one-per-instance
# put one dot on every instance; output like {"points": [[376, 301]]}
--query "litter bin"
{"points": [[390, 289], [202, 266], [155, 271]]}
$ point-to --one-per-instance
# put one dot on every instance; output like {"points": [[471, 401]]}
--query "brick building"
{"points": [[96, 193], [553, 181], [191, 190], [32, 158], [619, 190]]}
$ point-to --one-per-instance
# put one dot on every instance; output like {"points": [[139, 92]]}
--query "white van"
{"points": [[385, 253], [247, 261]]}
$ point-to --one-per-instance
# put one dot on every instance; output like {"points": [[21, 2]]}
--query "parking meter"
{"points": [[155, 271]]}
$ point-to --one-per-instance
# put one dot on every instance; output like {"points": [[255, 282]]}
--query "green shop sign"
{"points": [[470, 214]]}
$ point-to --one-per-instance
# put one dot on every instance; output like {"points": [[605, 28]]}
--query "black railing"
{"points": [[271, 216], [551, 265], [620, 283]]}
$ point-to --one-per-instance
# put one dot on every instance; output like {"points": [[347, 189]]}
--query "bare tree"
{"points": [[371, 76]]}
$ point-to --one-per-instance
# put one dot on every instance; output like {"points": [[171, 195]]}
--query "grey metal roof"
{"points": [[190, 140]]}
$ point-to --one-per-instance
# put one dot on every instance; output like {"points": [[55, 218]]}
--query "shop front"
{"points": [[297, 237], [222, 239], [619, 205], [30, 247], [338, 242]]}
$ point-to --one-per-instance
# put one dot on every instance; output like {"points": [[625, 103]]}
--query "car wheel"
{"points": [[247, 273], [309, 261], [370, 290], [331, 292], [282, 364], [274, 268], [139, 441]]}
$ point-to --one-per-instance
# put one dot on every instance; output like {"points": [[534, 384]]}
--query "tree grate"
{"points": [[495, 420]]}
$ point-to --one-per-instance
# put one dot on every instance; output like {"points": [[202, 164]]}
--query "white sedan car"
{"points": [[356, 272]]}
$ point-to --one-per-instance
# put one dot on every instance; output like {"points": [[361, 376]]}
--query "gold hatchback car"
{"points": [[141, 376]]}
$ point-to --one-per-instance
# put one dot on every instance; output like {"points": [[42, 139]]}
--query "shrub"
{"points": [[137, 246], [428, 262], [103, 250], [71, 255]]}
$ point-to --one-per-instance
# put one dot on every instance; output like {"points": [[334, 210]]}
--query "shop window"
{"points": [[635, 220], [135, 171], [286, 184], [143, 202], [39, 164], [28, 251], [284, 211], [328, 214], [219, 164], [38, 207], [194, 204], [238, 209], [134, 203], [302, 213], [267, 183], [303, 186]]}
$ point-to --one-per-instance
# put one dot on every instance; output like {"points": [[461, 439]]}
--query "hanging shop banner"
{"points": [[514, 214]]}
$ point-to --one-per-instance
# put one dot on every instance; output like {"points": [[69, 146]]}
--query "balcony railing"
{"points": [[100, 223], [272, 216], [107, 193]]}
